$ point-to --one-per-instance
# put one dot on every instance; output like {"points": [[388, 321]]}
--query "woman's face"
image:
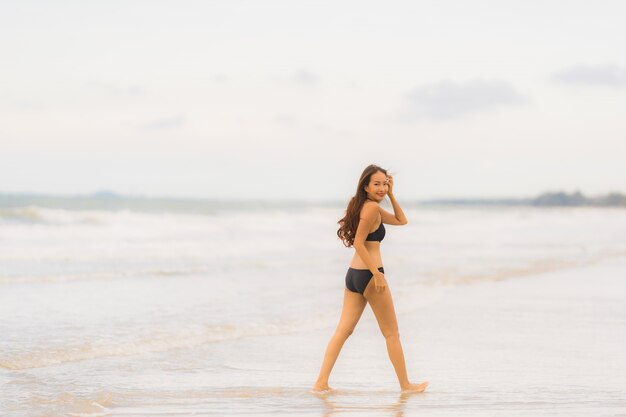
{"points": [[377, 188]]}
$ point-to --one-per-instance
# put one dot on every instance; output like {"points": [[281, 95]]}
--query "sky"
{"points": [[289, 99]]}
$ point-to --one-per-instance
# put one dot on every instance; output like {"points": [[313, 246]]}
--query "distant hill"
{"points": [[109, 200], [558, 198]]}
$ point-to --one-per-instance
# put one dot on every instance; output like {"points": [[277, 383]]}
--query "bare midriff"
{"points": [[373, 249]]}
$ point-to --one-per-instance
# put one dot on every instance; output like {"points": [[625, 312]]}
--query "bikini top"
{"points": [[378, 234]]}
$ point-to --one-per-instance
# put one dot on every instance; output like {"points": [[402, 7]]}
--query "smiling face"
{"points": [[378, 186]]}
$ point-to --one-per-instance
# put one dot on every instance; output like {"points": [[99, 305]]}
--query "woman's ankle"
{"points": [[405, 384]]}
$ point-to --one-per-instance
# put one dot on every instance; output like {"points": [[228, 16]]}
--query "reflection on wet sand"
{"points": [[344, 401]]}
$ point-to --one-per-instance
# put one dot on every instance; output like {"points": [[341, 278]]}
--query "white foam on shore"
{"points": [[158, 341]]}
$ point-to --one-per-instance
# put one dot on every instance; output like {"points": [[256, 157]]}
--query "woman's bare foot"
{"points": [[415, 387], [321, 387]]}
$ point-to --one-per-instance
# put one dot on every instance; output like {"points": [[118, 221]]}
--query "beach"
{"points": [[525, 318]]}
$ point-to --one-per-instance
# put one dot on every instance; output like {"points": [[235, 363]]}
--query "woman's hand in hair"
{"points": [[390, 184]]}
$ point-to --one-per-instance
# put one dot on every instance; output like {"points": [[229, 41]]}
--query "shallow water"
{"points": [[515, 310]]}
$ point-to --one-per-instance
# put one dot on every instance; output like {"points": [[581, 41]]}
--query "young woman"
{"points": [[362, 227]]}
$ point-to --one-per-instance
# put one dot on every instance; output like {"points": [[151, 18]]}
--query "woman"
{"points": [[362, 227]]}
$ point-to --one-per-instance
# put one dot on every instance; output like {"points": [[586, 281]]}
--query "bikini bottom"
{"points": [[357, 279]]}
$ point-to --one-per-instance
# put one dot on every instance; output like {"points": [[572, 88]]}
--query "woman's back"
{"points": [[372, 245]]}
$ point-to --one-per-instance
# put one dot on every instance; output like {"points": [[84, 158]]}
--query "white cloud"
{"points": [[117, 89], [165, 123], [606, 75], [286, 120], [305, 77], [448, 99]]}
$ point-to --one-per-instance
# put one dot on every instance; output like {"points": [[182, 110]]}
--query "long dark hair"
{"points": [[348, 224]]}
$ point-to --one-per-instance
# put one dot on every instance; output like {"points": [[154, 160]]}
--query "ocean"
{"points": [[148, 311]]}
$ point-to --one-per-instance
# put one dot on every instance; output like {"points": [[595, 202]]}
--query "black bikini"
{"points": [[377, 234], [357, 279]]}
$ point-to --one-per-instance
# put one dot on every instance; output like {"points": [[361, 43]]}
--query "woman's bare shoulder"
{"points": [[369, 210]]}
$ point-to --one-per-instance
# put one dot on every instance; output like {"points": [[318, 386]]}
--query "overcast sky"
{"points": [[292, 99]]}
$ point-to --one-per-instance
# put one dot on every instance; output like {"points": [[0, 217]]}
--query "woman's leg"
{"points": [[382, 306], [353, 306]]}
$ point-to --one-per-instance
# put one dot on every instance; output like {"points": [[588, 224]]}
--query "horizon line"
{"points": [[117, 195]]}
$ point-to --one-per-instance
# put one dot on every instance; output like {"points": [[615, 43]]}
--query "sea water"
{"points": [[228, 312]]}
